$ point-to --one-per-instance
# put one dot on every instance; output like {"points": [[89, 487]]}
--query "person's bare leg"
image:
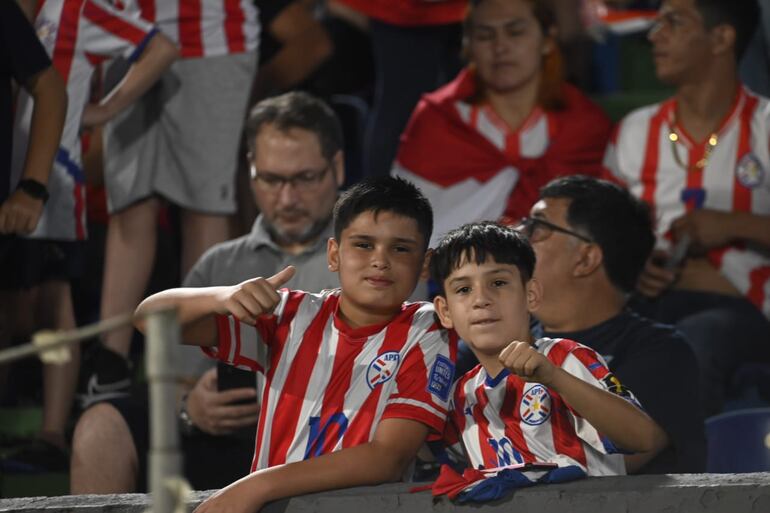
{"points": [[55, 311], [129, 257], [199, 233], [104, 458]]}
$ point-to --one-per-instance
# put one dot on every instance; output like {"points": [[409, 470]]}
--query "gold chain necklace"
{"points": [[703, 162]]}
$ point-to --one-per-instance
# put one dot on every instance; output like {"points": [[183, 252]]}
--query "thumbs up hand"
{"points": [[252, 298]]}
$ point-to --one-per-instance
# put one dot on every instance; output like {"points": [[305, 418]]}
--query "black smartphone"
{"points": [[229, 377]]}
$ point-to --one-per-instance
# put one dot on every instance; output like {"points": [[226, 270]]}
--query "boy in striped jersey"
{"points": [[354, 378], [547, 400]]}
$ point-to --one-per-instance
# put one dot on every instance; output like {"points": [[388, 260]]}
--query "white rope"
{"points": [[52, 344]]}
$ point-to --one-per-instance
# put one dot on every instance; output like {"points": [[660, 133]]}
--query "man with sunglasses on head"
{"points": [[295, 151], [592, 239]]}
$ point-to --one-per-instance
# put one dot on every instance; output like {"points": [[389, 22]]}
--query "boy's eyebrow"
{"points": [[402, 240], [496, 270], [509, 23]]}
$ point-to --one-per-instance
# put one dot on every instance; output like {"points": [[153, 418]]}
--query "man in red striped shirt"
{"points": [[354, 378], [701, 160], [528, 401]]}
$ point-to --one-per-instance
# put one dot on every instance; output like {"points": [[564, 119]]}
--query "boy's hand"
{"points": [[525, 361], [238, 497], [255, 297]]}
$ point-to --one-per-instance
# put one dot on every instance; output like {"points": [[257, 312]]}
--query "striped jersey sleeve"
{"points": [[108, 32], [425, 378], [248, 347], [585, 364]]}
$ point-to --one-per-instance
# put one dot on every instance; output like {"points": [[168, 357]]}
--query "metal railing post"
{"points": [[165, 458]]}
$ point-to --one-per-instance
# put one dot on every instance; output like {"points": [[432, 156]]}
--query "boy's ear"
{"points": [[333, 255], [534, 291], [338, 168], [425, 271], [590, 258], [442, 310], [723, 39]]}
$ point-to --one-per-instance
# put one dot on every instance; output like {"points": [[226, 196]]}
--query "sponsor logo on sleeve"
{"points": [[440, 382]]}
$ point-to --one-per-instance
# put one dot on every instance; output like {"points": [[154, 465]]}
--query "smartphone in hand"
{"points": [[229, 377]]}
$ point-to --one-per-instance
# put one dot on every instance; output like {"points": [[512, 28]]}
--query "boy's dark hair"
{"points": [[742, 15], [384, 194], [297, 110], [614, 219], [475, 242]]}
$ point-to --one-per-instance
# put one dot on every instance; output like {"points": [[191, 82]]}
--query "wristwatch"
{"points": [[33, 189], [186, 425]]}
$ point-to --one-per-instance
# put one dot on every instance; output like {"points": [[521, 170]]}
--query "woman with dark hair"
{"points": [[481, 146]]}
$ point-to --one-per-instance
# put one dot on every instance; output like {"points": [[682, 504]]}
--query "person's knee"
{"points": [[100, 427]]}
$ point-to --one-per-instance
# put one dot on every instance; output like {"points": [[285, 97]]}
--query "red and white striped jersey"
{"points": [[735, 178], [327, 386], [203, 28], [77, 34], [472, 166], [506, 420]]}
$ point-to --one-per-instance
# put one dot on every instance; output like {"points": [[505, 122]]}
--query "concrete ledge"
{"points": [[680, 493]]}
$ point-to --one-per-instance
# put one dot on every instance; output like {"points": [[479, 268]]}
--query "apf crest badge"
{"points": [[749, 171], [535, 406], [46, 32], [382, 368]]}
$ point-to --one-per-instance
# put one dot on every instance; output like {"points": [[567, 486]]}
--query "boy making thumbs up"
{"points": [[354, 377]]}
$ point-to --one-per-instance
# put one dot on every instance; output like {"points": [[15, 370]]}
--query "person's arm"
{"points": [[305, 46], [196, 307], [624, 424], [21, 212], [709, 229], [155, 58], [395, 443]]}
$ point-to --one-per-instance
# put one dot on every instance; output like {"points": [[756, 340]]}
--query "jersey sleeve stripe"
{"points": [[416, 410], [741, 193], [139, 50], [189, 34], [650, 165], [565, 439], [236, 41], [66, 39], [113, 24], [147, 8], [758, 279], [282, 330]]}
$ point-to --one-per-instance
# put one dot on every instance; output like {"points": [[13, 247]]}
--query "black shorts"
{"points": [[26, 263], [209, 461]]}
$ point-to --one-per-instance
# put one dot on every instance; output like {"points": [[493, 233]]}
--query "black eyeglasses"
{"points": [[303, 182], [537, 229]]}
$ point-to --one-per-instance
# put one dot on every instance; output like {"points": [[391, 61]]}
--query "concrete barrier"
{"points": [[680, 493]]}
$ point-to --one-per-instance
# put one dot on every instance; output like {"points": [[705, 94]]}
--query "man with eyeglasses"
{"points": [[591, 239], [295, 150]]}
